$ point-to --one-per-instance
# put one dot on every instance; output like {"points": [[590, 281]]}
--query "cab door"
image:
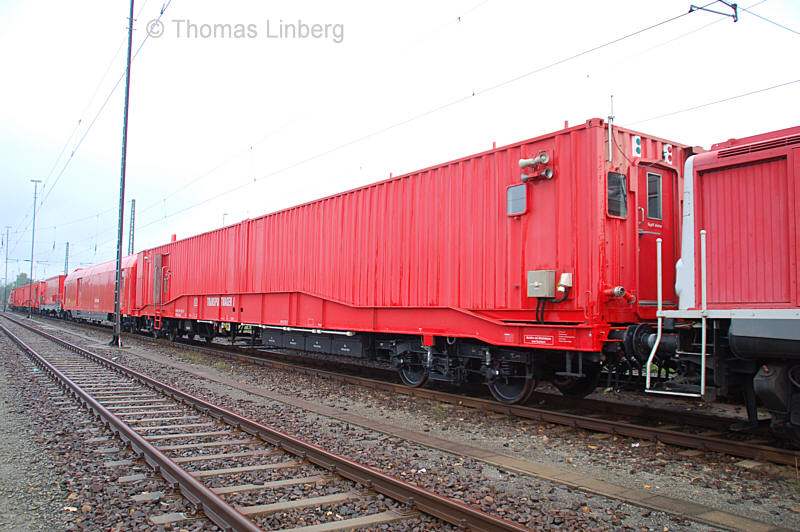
{"points": [[656, 215]]}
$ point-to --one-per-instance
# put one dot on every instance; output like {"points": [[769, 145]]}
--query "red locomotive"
{"points": [[738, 279], [549, 259]]}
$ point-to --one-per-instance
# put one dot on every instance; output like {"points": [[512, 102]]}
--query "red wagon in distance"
{"points": [[89, 292], [51, 298]]}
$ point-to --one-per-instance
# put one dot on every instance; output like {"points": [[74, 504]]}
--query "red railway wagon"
{"points": [[41, 286], [27, 295], [519, 263], [16, 299], [51, 298], [740, 204], [89, 292]]}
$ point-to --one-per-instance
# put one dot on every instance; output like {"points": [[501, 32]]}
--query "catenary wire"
{"points": [[99, 112], [380, 131], [80, 120], [416, 117], [747, 10], [715, 102], [83, 137]]}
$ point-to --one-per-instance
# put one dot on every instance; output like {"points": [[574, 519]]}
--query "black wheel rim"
{"points": [[512, 390], [413, 375], [578, 386]]}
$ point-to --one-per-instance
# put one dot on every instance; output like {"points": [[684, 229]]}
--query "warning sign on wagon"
{"points": [[538, 339]]}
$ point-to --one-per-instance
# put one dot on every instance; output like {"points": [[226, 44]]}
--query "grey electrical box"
{"points": [[542, 283]]}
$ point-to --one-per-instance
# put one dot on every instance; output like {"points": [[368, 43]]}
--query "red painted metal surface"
{"points": [[657, 217], [15, 297], [23, 295], [52, 297], [92, 289], [748, 191], [434, 252]]}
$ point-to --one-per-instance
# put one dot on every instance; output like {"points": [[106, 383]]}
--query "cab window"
{"points": [[654, 196]]}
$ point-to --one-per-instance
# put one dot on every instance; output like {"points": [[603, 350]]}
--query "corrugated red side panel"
{"points": [[54, 291], [92, 289], [23, 295], [747, 203], [383, 256]]}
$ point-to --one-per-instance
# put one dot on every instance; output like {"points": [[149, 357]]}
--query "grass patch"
{"points": [[439, 412]]}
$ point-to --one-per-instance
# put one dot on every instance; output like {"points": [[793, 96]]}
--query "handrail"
{"points": [[660, 323]]}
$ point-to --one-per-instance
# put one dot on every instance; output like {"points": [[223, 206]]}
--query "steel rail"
{"points": [[316, 367], [656, 434], [454, 512], [217, 510]]}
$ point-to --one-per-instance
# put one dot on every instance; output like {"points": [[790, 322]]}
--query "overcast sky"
{"points": [[245, 119]]}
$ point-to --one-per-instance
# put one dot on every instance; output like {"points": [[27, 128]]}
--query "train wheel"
{"points": [[411, 368], [578, 386], [413, 375], [513, 389]]}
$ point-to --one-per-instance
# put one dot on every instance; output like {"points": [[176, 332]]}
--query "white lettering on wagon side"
{"points": [[538, 339], [566, 337]]}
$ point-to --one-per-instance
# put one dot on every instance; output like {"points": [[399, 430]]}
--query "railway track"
{"points": [[235, 468], [693, 430]]}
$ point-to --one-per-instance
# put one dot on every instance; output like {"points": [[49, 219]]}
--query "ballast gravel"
{"points": [[766, 493], [95, 497], [57, 479]]}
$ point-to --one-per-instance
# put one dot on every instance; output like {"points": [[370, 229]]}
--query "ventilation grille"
{"points": [[760, 146]]}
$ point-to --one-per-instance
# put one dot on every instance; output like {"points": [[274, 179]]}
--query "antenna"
{"points": [[610, 133]]}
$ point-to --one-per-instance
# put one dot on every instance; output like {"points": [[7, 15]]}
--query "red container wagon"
{"points": [[16, 298], [26, 296], [89, 292], [524, 262], [51, 298], [738, 278]]}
